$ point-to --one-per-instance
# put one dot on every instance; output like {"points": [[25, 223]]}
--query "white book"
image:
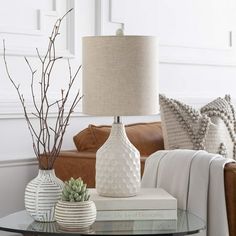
{"points": [[147, 198], [122, 226], [120, 215]]}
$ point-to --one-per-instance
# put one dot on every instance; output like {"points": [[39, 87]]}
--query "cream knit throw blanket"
{"points": [[196, 179]]}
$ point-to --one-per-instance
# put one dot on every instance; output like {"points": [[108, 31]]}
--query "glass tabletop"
{"points": [[187, 223]]}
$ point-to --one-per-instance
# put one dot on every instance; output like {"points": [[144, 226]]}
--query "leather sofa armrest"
{"points": [[230, 195], [76, 154]]}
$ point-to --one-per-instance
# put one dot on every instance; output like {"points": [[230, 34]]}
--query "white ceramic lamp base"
{"points": [[118, 165]]}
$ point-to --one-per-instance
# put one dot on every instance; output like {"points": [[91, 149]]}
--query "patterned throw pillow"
{"points": [[211, 129]]}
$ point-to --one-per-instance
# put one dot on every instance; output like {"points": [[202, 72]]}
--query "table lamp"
{"points": [[120, 78]]}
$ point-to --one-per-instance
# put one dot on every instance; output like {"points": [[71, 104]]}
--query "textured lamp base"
{"points": [[118, 165]]}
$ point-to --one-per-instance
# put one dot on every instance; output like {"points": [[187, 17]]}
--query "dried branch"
{"points": [[47, 139]]}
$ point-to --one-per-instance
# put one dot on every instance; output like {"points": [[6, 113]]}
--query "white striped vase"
{"points": [[42, 194]]}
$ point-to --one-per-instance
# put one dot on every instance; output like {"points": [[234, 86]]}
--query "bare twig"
{"points": [[47, 139]]}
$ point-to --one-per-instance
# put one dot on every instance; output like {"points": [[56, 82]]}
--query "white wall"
{"points": [[197, 62], [25, 25]]}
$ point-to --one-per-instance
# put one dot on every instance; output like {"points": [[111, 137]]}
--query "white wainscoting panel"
{"points": [[26, 26], [190, 32]]}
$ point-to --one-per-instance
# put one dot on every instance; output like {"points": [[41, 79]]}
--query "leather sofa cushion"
{"points": [[146, 137]]}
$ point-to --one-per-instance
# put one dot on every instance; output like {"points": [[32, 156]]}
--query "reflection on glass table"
{"points": [[187, 223]]}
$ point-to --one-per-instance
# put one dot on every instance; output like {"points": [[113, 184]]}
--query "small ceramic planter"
{"points": [[75, 215]]}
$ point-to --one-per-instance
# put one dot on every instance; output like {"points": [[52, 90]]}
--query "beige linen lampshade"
{"points": [[120, 75]]}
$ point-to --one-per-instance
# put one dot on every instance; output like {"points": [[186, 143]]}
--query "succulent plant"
{"points": [[75, 190]]}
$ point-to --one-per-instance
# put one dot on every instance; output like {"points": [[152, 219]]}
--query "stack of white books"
{"points": [[148, 205]]}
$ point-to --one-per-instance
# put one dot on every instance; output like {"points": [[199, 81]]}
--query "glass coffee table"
{"points": [[187, 223]]}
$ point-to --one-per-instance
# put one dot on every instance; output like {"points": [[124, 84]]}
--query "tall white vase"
{"points": [[42, 194], [118, 165]]}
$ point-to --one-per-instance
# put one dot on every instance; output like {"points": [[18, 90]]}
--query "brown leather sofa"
{"points": [[147, 137]]}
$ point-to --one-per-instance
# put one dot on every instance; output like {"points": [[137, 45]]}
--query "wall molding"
{"points": [[18, 162], [28, 50], [104, 24], [71, 28], [195, 55], [170, 52], [12, 109]]}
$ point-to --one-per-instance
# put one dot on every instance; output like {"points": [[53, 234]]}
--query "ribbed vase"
{"points": [[118, 165], [42, 194], [75, 215]]}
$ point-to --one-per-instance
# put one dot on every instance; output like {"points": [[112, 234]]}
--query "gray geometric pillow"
{"points": [[211, 129]]}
